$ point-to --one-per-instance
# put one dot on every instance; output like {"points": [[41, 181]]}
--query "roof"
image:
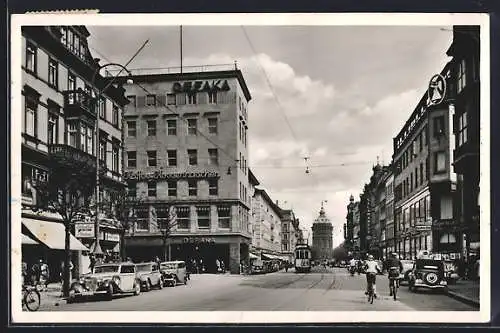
{"points": [[252, 179], [268, 199]]}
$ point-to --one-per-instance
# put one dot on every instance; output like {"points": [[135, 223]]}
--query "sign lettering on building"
{"points": [[84, 230], [198, 240], [161, 174], [112, 237], [199, 86]]}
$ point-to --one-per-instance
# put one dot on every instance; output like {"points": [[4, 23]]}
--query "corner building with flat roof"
{"points": [[186, 148]]}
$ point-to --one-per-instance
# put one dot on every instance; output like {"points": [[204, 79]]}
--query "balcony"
{"points": [[78, 103], [74, 159]]}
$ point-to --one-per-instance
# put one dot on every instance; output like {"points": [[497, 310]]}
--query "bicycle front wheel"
{"points": [[32, 300]]}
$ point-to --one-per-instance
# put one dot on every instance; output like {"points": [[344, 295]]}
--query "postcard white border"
{"points": [[381, 19]]}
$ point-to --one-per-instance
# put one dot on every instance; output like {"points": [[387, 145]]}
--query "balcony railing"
{"points": [[78, 102], [72, 157]]}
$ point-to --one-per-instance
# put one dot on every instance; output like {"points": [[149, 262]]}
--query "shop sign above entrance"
{"points": [[198, 240], [437, 89], [196, 86], [161, 174]]}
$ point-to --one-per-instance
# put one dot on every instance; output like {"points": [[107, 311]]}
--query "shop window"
{"points": [[203, 213], [183, 217]]}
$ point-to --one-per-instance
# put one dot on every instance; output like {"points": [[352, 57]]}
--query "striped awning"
{"points": [[52, 234]]}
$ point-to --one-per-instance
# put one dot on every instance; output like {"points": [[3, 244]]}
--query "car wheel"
{"points": [[148, 285], [109, 292], [137, 288]]}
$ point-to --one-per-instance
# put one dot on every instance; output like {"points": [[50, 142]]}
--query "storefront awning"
{"points": [[27, 240], [52, 234]]}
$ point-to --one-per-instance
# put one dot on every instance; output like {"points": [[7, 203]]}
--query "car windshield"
{"points": [[168, 265], [143, 268], [106, 269], [430, 264]]}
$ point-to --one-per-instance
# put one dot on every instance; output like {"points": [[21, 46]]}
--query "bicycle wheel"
{"points": [[393, 289], [32, 300]]}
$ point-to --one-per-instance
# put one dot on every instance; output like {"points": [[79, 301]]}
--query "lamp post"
{"points": [[97, 247]]}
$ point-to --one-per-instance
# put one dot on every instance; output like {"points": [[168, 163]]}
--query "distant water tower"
{"points": [[322, 235]]}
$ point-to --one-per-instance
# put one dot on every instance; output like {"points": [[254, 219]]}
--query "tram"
{"points": [[303, 257]]}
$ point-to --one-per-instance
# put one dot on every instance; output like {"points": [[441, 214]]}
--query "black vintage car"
{"points": [[427, 273]]}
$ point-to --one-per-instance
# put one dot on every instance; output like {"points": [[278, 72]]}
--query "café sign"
{"points": [[200, 86], [161, 174], [198, 240]]}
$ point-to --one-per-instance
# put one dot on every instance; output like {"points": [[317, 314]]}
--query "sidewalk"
{"points": [[465, 291]]}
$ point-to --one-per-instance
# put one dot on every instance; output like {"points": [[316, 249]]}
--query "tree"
{"points": [[66, 191], [165, 219]]}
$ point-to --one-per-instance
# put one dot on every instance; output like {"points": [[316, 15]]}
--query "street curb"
{"points": [[463, 299]]}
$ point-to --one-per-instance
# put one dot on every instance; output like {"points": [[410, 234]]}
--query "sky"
{"points": [[335, 94]]}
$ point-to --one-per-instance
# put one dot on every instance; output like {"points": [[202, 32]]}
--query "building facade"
{"points": [[289, 232], [424, 180], [187, 153], [322, 241], [349, 226], [389, 213], [465, 74], [267, 217], [59, 130]]}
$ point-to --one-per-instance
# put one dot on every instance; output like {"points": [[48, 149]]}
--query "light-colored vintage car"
{"points": [[107, 279], [173, 272], [150, 275]]}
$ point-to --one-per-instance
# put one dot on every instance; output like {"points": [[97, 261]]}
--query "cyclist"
{"points": [[371, 269], [394, 269], [352, 265]]}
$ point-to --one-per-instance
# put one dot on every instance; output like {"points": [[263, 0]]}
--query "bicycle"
{"points": [[371, 292], [31, 298], [394, 281]]}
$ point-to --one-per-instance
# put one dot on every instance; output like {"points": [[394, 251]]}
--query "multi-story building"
{"points": [[187, 152], [424, 181], [349, 226], [322, 242], [267, 217], [389, 213], [59, 129], [356, 228], [465, 74], [289, 235]]}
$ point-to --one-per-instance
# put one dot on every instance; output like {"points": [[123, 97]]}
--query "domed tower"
{"points": [[322, 236]]}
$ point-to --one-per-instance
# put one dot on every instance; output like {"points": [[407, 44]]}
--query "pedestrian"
{"points": [[35, 274], [44, 273], [24, 272], [223, 266], [217, 264], [92, 262]]}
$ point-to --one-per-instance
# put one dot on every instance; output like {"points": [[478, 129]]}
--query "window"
{"points": [[421, 173], [427, 168], [132, 159], [192, 187], [172, 157], [192, 126], [461, 76], [213, 187], [416, 177], [150, 100], [439, 161], [102, 108], [115, 115], [212, 97], [224, 213], [30, 108], [151, 189], [53, 73], [131, 100], [90, 141], [142, 216], [151, 127], [71, 82], [191, 99], [116, 157], [132, 190], [172, 127], [212, 125], [131, 129], [203, 213], [462, 129], [152, 158], [213, 155], [83, 135], [31, 57], [52, 130], [411, 182], [172, 188], [183, 217], [102, 150], [438, 126], [170, 99], [192, 156]]}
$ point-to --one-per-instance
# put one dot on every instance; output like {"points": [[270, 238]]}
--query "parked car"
{"points": [[107, 279], [407, 268], [150, 275], [173, 272], [427, 273]]}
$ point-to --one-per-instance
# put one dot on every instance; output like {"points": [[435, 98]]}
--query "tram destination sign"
{"points": [[161, 174]]}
